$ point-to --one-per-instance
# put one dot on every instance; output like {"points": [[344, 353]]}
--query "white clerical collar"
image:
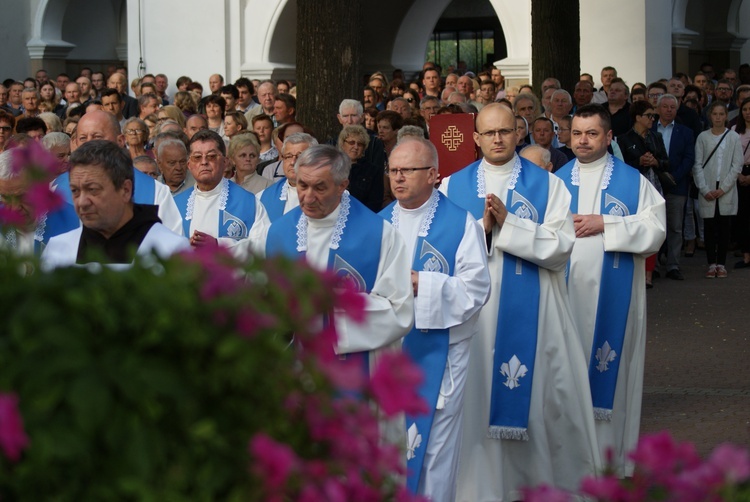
{"points": [[338, 218], [214, 191], [222, 190], [429, 208], [502, 168], [606, 163]]}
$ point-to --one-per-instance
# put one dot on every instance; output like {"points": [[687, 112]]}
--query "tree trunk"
{"points": [[328, 61], [555, 42]]}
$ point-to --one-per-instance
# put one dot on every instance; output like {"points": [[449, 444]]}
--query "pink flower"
{"points": [[249, 323], [33, 157], [394, 384], [660, 456], [13, 439], [12, 217], [275, 462], [41, 199], [545, 493], [604, 488], [732, 461]]}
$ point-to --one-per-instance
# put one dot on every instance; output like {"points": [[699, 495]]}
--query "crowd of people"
{"points": [[517, 283]]}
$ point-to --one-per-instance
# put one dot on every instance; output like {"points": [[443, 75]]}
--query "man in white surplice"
{"points": [[619, 220], [217, 211], [333, 231], [528, 416], [451, 284], [281, 197]]}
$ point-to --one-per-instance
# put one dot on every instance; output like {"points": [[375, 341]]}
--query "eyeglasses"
{"points": [[655, 95], [724, 89], [353, 142], [210, 157], [6, 128], [133, 132], [651, 116], [409, 100], [501, 132], [290, 156], [406, 171]]}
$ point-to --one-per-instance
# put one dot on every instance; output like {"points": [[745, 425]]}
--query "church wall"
{"points": [[94, 40], [15, 31]]}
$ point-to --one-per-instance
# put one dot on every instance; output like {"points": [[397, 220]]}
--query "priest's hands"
{"points": [[200, 239], [494, 213], [587, 225], [415, 281]]}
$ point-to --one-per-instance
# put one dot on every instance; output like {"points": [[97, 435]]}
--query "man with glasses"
{"points": [[216, 211], [528, 414], [7, 123], [451, 284], [281, 197], [429, 107], [350, 113]]}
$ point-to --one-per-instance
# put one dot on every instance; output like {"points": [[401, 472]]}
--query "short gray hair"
{"points": [[564, 93], [55, 139], [351, 103], [299, 138], [319, 156], [667, 96], [54, 124], [410, 131], [545, 154], [168, 142]]}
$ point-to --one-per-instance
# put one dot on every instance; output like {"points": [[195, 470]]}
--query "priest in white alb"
{"points": [[451, 284], [281, 197], [528, 417], [217, 211], [333, 231], [620, 219]]}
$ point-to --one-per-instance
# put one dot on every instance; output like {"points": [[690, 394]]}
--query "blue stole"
{"points": [[354, 254], [59, 221], [464, 190], [236, 211], [516, 335], [144, 188], [429, 347], [272, 201], [619, 198]]}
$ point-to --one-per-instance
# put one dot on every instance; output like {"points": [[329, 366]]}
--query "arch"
{"points": [[733, 17], [414, 32]]}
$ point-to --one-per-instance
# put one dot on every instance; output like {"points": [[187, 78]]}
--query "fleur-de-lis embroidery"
{"points": [[605, 355], [413, 442], [513, 370]]}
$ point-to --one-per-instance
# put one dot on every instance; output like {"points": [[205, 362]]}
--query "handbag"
{"points": [[693, 186], [666, 179]]}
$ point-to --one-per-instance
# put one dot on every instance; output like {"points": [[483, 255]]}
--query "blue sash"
{"points": [[236, 218], [464, 191], [354, 259], [55, 223], [619, 198], [429, 348], [516, 335], [272, 201], [144, 188]]}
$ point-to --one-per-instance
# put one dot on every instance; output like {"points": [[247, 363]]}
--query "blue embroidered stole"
{"points": [[354, 252], [55, 223], [467, 190], [272, 200], [619, 197], [434, 252], [518, 310], [144, 188], [236, 211]]}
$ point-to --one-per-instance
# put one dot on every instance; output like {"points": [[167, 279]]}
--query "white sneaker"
{"points": [[711, 273], [721, 272]]}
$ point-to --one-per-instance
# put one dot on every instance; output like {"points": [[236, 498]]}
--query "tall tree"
{"points": [[328, 61], [555, 42]]}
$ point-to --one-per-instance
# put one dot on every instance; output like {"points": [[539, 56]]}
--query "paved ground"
{"points": [[697, 379]]}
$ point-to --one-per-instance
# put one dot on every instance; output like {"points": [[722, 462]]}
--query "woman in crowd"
{"points": [[215, 107], [718, 162], [171, 112], [644, 150], [234, 123], [7, 125], [49, 101], [389, 122], [263, 127], [185, 101], [365, 179], [742, 127], [244, 156], [412, 98], [370, 114], [522, 131], [136, 137]]}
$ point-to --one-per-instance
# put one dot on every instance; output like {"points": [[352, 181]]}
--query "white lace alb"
{"points": [[223, 197], [337, 231], [575, 173]]}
